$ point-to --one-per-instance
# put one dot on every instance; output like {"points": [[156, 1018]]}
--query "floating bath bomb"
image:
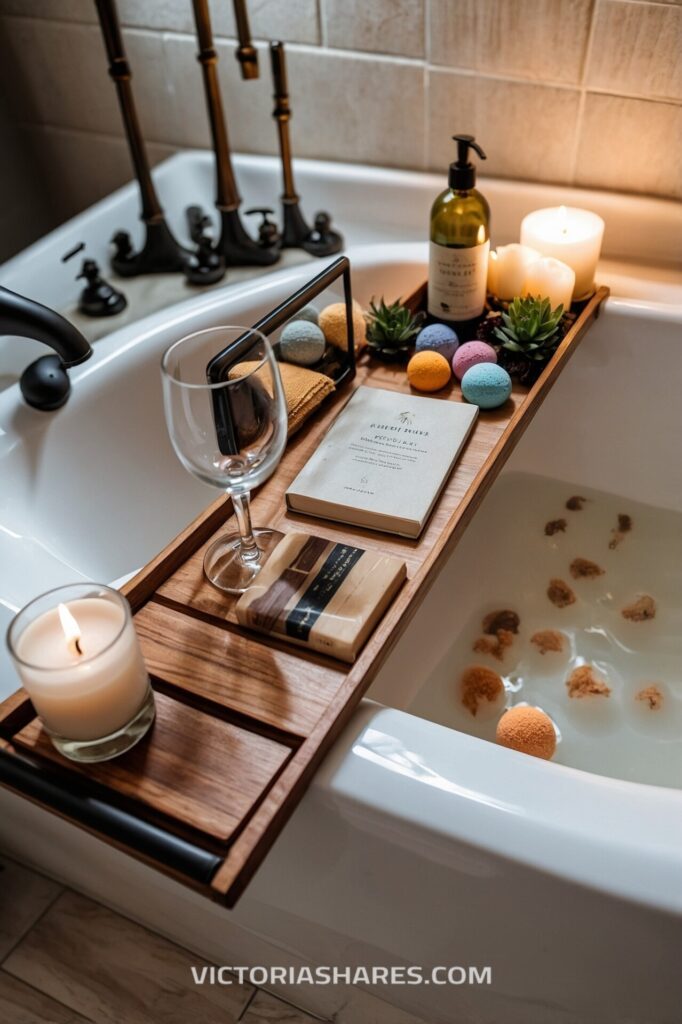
{"points": [[486, 385], [428, 371], [528, 730], [471, 354], [302, 342], [311, 313], [438, 338], [480, 686], [332, 321]]}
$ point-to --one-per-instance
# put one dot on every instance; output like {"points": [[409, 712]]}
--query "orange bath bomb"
{"points": [[528, 730], [332, 323], [428, 371]]}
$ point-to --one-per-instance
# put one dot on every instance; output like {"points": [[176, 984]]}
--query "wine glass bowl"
{"points": [[229, 433]]}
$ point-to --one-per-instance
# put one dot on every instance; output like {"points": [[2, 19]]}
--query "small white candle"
{"points": [[81, 664], [571, 235], [551, 279], [507, 269]]}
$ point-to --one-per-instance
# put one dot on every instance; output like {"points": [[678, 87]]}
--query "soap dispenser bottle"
{"points": [[460, 242]]}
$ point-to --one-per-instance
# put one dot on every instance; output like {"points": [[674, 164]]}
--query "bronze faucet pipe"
{"points": [[119, 70], [282, 114], [247, 54], [227, 196]]}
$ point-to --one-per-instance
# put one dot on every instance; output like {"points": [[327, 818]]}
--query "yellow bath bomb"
{"points": [[528, 730], [332, 320], [428, 371]]}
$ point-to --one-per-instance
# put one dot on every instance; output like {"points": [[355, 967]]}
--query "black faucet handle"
{"points": [[268, 232]]}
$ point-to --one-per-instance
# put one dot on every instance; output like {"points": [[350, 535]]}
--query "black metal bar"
{"points": [[80, 801]]}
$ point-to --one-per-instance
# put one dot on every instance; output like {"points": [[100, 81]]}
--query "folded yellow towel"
{"points": [[304, 389]]}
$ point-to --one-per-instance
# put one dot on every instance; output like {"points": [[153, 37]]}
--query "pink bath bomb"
{"points": [[471, 354]]}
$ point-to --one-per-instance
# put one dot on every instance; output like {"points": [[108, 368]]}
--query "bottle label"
{"points": [[457, 281]]}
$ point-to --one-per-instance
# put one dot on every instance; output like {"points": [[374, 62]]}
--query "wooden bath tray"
{"points": [[244, 720]]}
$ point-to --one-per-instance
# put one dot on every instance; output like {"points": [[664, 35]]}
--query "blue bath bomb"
{"points": [[438, 338], [486, 385], [309, 313], [302, 342]]}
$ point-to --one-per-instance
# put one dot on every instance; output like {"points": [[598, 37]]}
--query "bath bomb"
{"points": [[428, 371], [481, 689], [438, 338], [528, 730], [311, 313], [332, 321], [471, 354], [486, 385], [302, 342]]}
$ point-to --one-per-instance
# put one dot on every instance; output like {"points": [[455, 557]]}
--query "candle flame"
{"points": [[71, 629], [563, 220], [481, 234]]}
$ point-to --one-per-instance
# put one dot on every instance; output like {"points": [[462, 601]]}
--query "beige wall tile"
{"points": [[21, 1004], [55, 73], [499, 114], [64, 10], [24, 896], [291, 20], [247, 105], [111, 970], [357, 109], [637, 48], [380, 26], [81, 168], [631, 145], [536, 39], [266, 1009]]}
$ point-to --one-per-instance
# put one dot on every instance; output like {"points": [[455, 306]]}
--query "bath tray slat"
{"points": [[266, 712]]}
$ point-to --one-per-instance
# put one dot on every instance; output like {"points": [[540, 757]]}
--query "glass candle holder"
{"points": [[77, 654]]}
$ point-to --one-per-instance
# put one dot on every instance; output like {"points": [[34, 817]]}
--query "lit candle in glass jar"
{"points": [[78, 657], [568, 234]]}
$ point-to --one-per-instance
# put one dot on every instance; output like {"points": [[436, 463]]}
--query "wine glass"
{"points": [[230, 434]]}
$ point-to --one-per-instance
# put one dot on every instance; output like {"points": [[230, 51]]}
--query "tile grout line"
{"points": [[47, 995], [35, 924], [37, 921], [582, 101]]}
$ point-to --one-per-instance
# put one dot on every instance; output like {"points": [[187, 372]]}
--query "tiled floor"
{"points": [[67, 960]]}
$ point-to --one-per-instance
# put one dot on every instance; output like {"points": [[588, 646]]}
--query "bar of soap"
{"points": [[320, 594]]}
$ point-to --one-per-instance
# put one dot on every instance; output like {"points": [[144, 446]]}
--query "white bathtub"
{"points": [[417, 844]]}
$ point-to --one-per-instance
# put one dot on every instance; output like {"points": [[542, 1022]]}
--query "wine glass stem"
{"points": [[248, 548]]}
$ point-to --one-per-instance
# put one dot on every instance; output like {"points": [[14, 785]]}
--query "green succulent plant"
{"points": [[530, 328], [391, 329]]}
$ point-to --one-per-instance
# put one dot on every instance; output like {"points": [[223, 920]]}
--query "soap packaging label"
{"points": [[321, 594], [384, 461], [457, 281]]}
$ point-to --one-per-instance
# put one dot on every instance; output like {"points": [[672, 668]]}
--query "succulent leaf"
{"points": [[531, 327], [391, 328]]}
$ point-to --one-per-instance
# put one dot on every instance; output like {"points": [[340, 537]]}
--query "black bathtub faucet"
{"points": [[45, 383]]}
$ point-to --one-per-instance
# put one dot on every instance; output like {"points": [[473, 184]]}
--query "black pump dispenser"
{"points": [[462, 174]]}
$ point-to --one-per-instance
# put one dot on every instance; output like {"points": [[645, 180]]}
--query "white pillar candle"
{"points": [[507, 268], [551, 279], [571, 235], [81, 664]]}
